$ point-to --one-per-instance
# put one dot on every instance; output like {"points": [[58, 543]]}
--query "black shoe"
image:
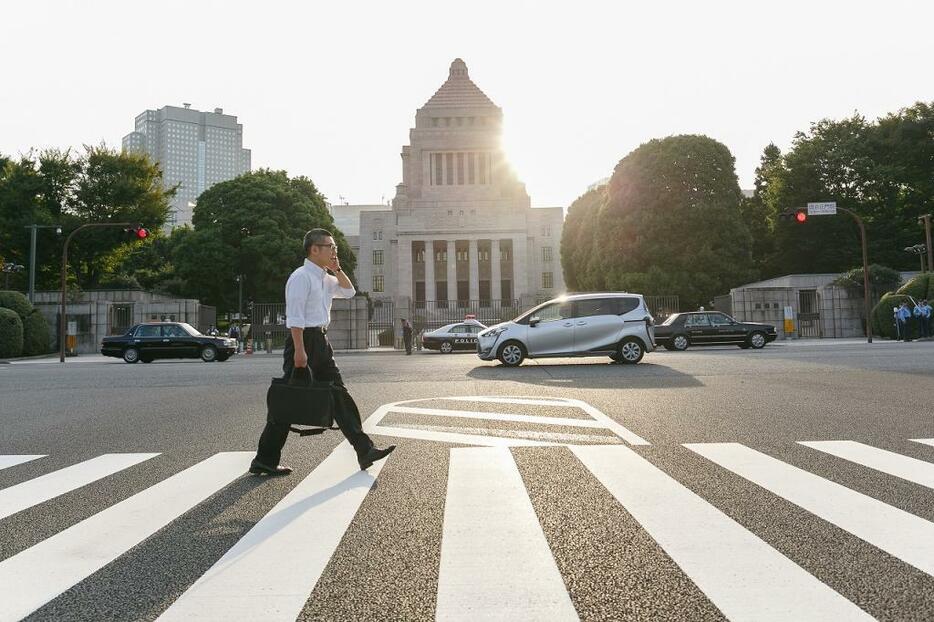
{"points": [[366, 460], [259, 468]]}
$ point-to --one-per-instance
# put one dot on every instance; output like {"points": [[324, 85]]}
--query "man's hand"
{"points": [[335, 264], [301, 358]]}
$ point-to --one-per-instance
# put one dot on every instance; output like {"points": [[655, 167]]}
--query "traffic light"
{"points": [[138, 232], [801, 215]]}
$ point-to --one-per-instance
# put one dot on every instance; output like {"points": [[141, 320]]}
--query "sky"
{"points": [[329, 89]]}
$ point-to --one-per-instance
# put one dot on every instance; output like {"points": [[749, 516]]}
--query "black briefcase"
{"points": [[298, 400]]}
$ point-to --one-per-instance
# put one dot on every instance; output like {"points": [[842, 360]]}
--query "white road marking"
{"points": [[546, 439], [742, 575], [40, 573], [468, 414], [373, 423], [905, 467], [903, 535], [270, 572], [12, 460], [926, 441], [35, 491], [495, 560]]}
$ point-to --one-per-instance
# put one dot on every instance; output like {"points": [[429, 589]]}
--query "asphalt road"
{"points": [[676, 489]]}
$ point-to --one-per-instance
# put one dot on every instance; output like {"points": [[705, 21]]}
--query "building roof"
{"points": [[459, 91]]}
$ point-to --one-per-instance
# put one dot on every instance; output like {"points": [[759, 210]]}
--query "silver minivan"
{"points": [[614, 324]]}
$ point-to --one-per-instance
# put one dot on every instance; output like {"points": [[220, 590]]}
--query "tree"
{"points": [[252, 225], [671, 223], [577, 241]]}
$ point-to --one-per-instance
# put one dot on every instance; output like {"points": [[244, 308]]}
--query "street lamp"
{"points": [[8, 269], [32, 255], [919, 250]]}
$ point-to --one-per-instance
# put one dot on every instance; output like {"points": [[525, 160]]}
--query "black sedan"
{"points": [[167, 340], [459, 336], [699, 328]]}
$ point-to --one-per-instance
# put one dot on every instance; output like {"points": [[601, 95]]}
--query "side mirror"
{"points": [[533, 321]]}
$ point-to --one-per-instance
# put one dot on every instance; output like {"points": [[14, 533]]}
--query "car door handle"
{"points": [[165, 341], [569, 324], [582, 323]]}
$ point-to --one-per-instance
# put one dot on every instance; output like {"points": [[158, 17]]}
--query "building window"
{"points": [[377, 282], [420, 256], [503, 255], [547, 280], [460, 169], [481, 167], [546, 254], [378, 258], [378, 234], [471, 167], [546, 231], [439, 180], [449, 165]]}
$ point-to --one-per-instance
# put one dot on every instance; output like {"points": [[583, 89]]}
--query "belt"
{"points": [[317, 329]]}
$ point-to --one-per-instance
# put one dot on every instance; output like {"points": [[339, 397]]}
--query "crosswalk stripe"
{"points": [[72, 555], [469, 414], [743, 576], [35, 491], [495, 560], [903, 535], [511, 400], [11, 461], [926, 441], [270, 572], [905, 467]]}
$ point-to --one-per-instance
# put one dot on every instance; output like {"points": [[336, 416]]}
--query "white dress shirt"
{"points": [[308, 295]]}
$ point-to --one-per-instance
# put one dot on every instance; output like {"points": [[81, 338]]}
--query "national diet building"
{"points": [[461, 233]]}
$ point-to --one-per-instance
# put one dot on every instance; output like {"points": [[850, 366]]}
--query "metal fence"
{"points": [[381, 323], [662, 306], [432, 314]]}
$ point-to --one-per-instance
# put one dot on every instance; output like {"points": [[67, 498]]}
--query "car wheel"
{"points": [[446, 347], [631, 351], [131, 355], [757, 340], [680, 342], [208, 354], [511, 354]]}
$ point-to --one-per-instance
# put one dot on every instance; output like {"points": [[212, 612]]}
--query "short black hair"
{"points": [[315, 236]]}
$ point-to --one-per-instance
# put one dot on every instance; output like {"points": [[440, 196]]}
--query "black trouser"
{"points": [[925, 326], [323, 368], [408, 344]]}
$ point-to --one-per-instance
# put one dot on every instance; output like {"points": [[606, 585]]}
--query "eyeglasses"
{"points": [[333, 247]]}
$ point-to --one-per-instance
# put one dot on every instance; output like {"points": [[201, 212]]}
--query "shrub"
{"points": [[920, 288], [15, 301], [11, 334], [883, 318], [36, 336], [881, 279]]}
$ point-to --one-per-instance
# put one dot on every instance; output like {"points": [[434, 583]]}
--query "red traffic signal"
{"points": [[138, 232], [801, 215]]}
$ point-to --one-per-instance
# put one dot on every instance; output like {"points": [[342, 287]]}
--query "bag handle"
{"points": [[300, 375]]}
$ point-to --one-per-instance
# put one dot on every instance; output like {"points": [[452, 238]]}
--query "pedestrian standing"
{"points": [[902, 316], [308, 295], [923, 312], [407, 336]]}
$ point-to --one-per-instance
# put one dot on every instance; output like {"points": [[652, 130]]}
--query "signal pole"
{"points": [[926, 219]]}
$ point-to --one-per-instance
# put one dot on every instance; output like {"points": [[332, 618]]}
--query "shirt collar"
{"points": [[314, 268]]}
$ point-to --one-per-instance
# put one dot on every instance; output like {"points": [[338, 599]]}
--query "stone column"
{"points": [[474, 262], [496, 289], [429, 270], [452, 274], [404, 284], [522, 284]]}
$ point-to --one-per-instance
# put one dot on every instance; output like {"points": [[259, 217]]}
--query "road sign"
{"points": [[822, 209]]}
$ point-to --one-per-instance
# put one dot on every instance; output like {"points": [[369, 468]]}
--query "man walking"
{"points": [[308, 295], [407, 336]]}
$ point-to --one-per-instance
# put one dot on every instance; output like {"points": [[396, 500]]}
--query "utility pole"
{"points": [[32, 255], [926, 219]]}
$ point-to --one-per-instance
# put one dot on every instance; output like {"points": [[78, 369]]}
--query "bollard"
{"points": [[268, 342]]}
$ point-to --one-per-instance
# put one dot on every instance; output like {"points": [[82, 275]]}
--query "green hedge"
{"points": [[920, 288], [11, 334], [36, 336], [16, 301]]}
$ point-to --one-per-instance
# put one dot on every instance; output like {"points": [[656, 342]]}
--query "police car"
{"points": [[459, 336]]}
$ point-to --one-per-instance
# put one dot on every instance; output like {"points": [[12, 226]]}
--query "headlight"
{"points": [[493, 332]]}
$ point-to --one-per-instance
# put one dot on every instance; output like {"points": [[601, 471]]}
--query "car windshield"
{"points": [[191, 330], [668, 320]]}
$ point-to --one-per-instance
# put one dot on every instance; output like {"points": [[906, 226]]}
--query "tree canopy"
{"points": [[669, 222], [252, 225]]}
